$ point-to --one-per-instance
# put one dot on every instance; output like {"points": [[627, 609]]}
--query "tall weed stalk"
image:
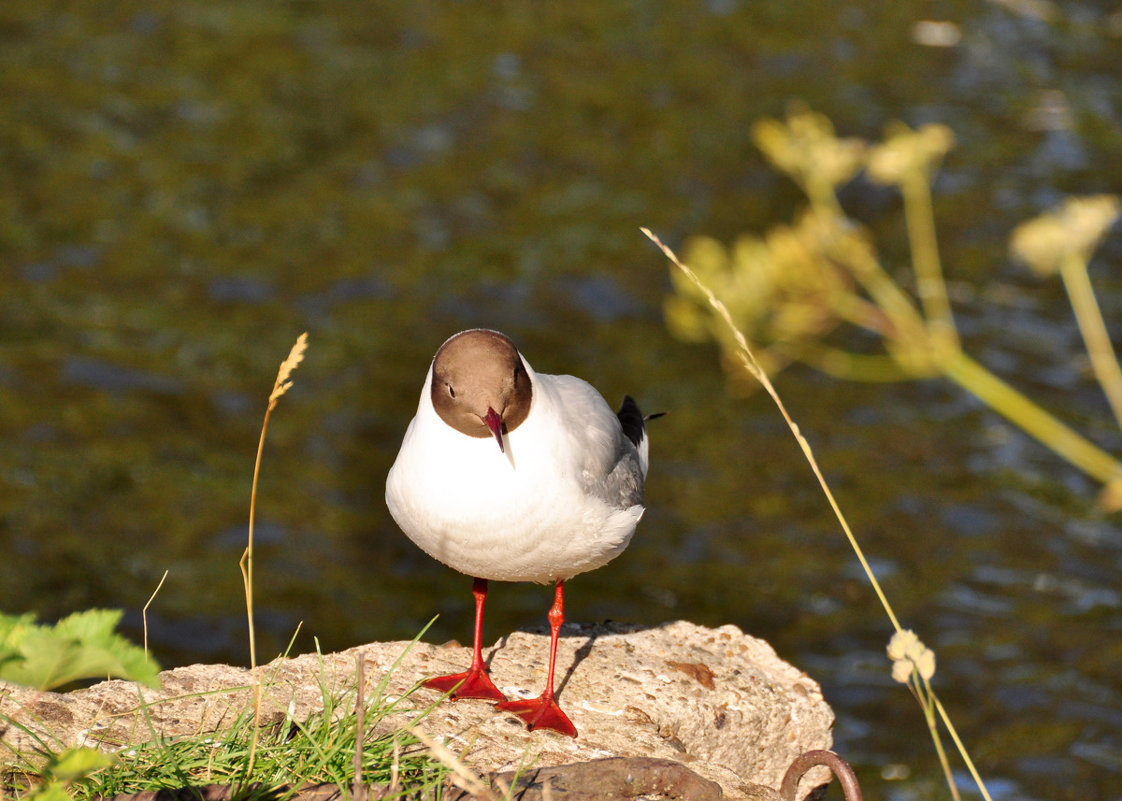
{"points": [[913, 664], [282, 384]]}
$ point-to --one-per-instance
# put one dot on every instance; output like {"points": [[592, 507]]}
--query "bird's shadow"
{"points": [[591, 632], [581, 654]]}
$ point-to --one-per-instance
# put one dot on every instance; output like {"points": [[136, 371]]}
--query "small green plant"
{"points": [[65, 771], [793, 291], [84, 645], [328, 747], [347, 742]]}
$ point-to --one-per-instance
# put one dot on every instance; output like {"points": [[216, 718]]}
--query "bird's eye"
{"points": [[451, 392]]}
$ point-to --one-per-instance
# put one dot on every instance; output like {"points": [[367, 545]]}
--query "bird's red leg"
{"points": [[543, 712], [474, 682]]}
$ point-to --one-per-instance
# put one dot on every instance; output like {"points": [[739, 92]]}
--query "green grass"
{"points": [[289, 753]]}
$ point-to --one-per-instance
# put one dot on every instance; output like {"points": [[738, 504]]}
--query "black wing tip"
{"points": [[632, 420]]}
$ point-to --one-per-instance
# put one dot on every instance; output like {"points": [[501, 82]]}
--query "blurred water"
{"points": [[185, 190]]}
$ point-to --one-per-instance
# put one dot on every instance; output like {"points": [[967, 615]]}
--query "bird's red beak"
{"points": [[495, 423]]}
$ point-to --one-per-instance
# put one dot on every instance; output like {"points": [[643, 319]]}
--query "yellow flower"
{"points": [[925, 663], [806, 148], [908, 152], [1074, 229], [908, 653], [902, 671], [901, 644]]}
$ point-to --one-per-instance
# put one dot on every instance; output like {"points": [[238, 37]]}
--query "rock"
{"points": [[613, 777], [598, 780], [717, 700]]}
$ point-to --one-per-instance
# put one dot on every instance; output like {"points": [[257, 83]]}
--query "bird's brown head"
{"points": [[479, 385]]}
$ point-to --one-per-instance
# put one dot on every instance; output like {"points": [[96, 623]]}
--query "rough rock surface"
{"points": [[717, 700]]}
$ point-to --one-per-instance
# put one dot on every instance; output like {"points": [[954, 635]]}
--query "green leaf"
{"points": [[76, 763], [12, 630], [84, 645], [48, 792]]}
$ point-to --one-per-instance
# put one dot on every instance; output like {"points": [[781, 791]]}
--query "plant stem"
{"points": [[1003, 398], [928, 700], [246, 565], [961, 748], [144, 612], [1104, 361], [822, 195], [919, 216], [907, 325], [843, 364], [359, 789]]}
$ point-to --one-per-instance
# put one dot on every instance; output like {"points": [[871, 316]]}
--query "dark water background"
{"points": [[186, 187]]}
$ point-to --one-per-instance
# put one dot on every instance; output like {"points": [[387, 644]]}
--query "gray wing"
{"points": [[611, 466]]}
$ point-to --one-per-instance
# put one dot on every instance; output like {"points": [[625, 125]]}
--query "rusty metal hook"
{"points": [[846, 778]]}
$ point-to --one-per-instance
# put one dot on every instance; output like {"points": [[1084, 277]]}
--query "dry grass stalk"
{"points": [[280, 386], [295, 356], [144, 612], [359, 791]]}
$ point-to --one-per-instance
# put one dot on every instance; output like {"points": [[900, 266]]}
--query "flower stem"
{"points": [[919, 216], [1104, 361], [1006, 400], [961, 748], [928, 701], [246, 565]]}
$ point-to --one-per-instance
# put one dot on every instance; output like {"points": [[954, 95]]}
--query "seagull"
{"points": [[506, 474]]}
